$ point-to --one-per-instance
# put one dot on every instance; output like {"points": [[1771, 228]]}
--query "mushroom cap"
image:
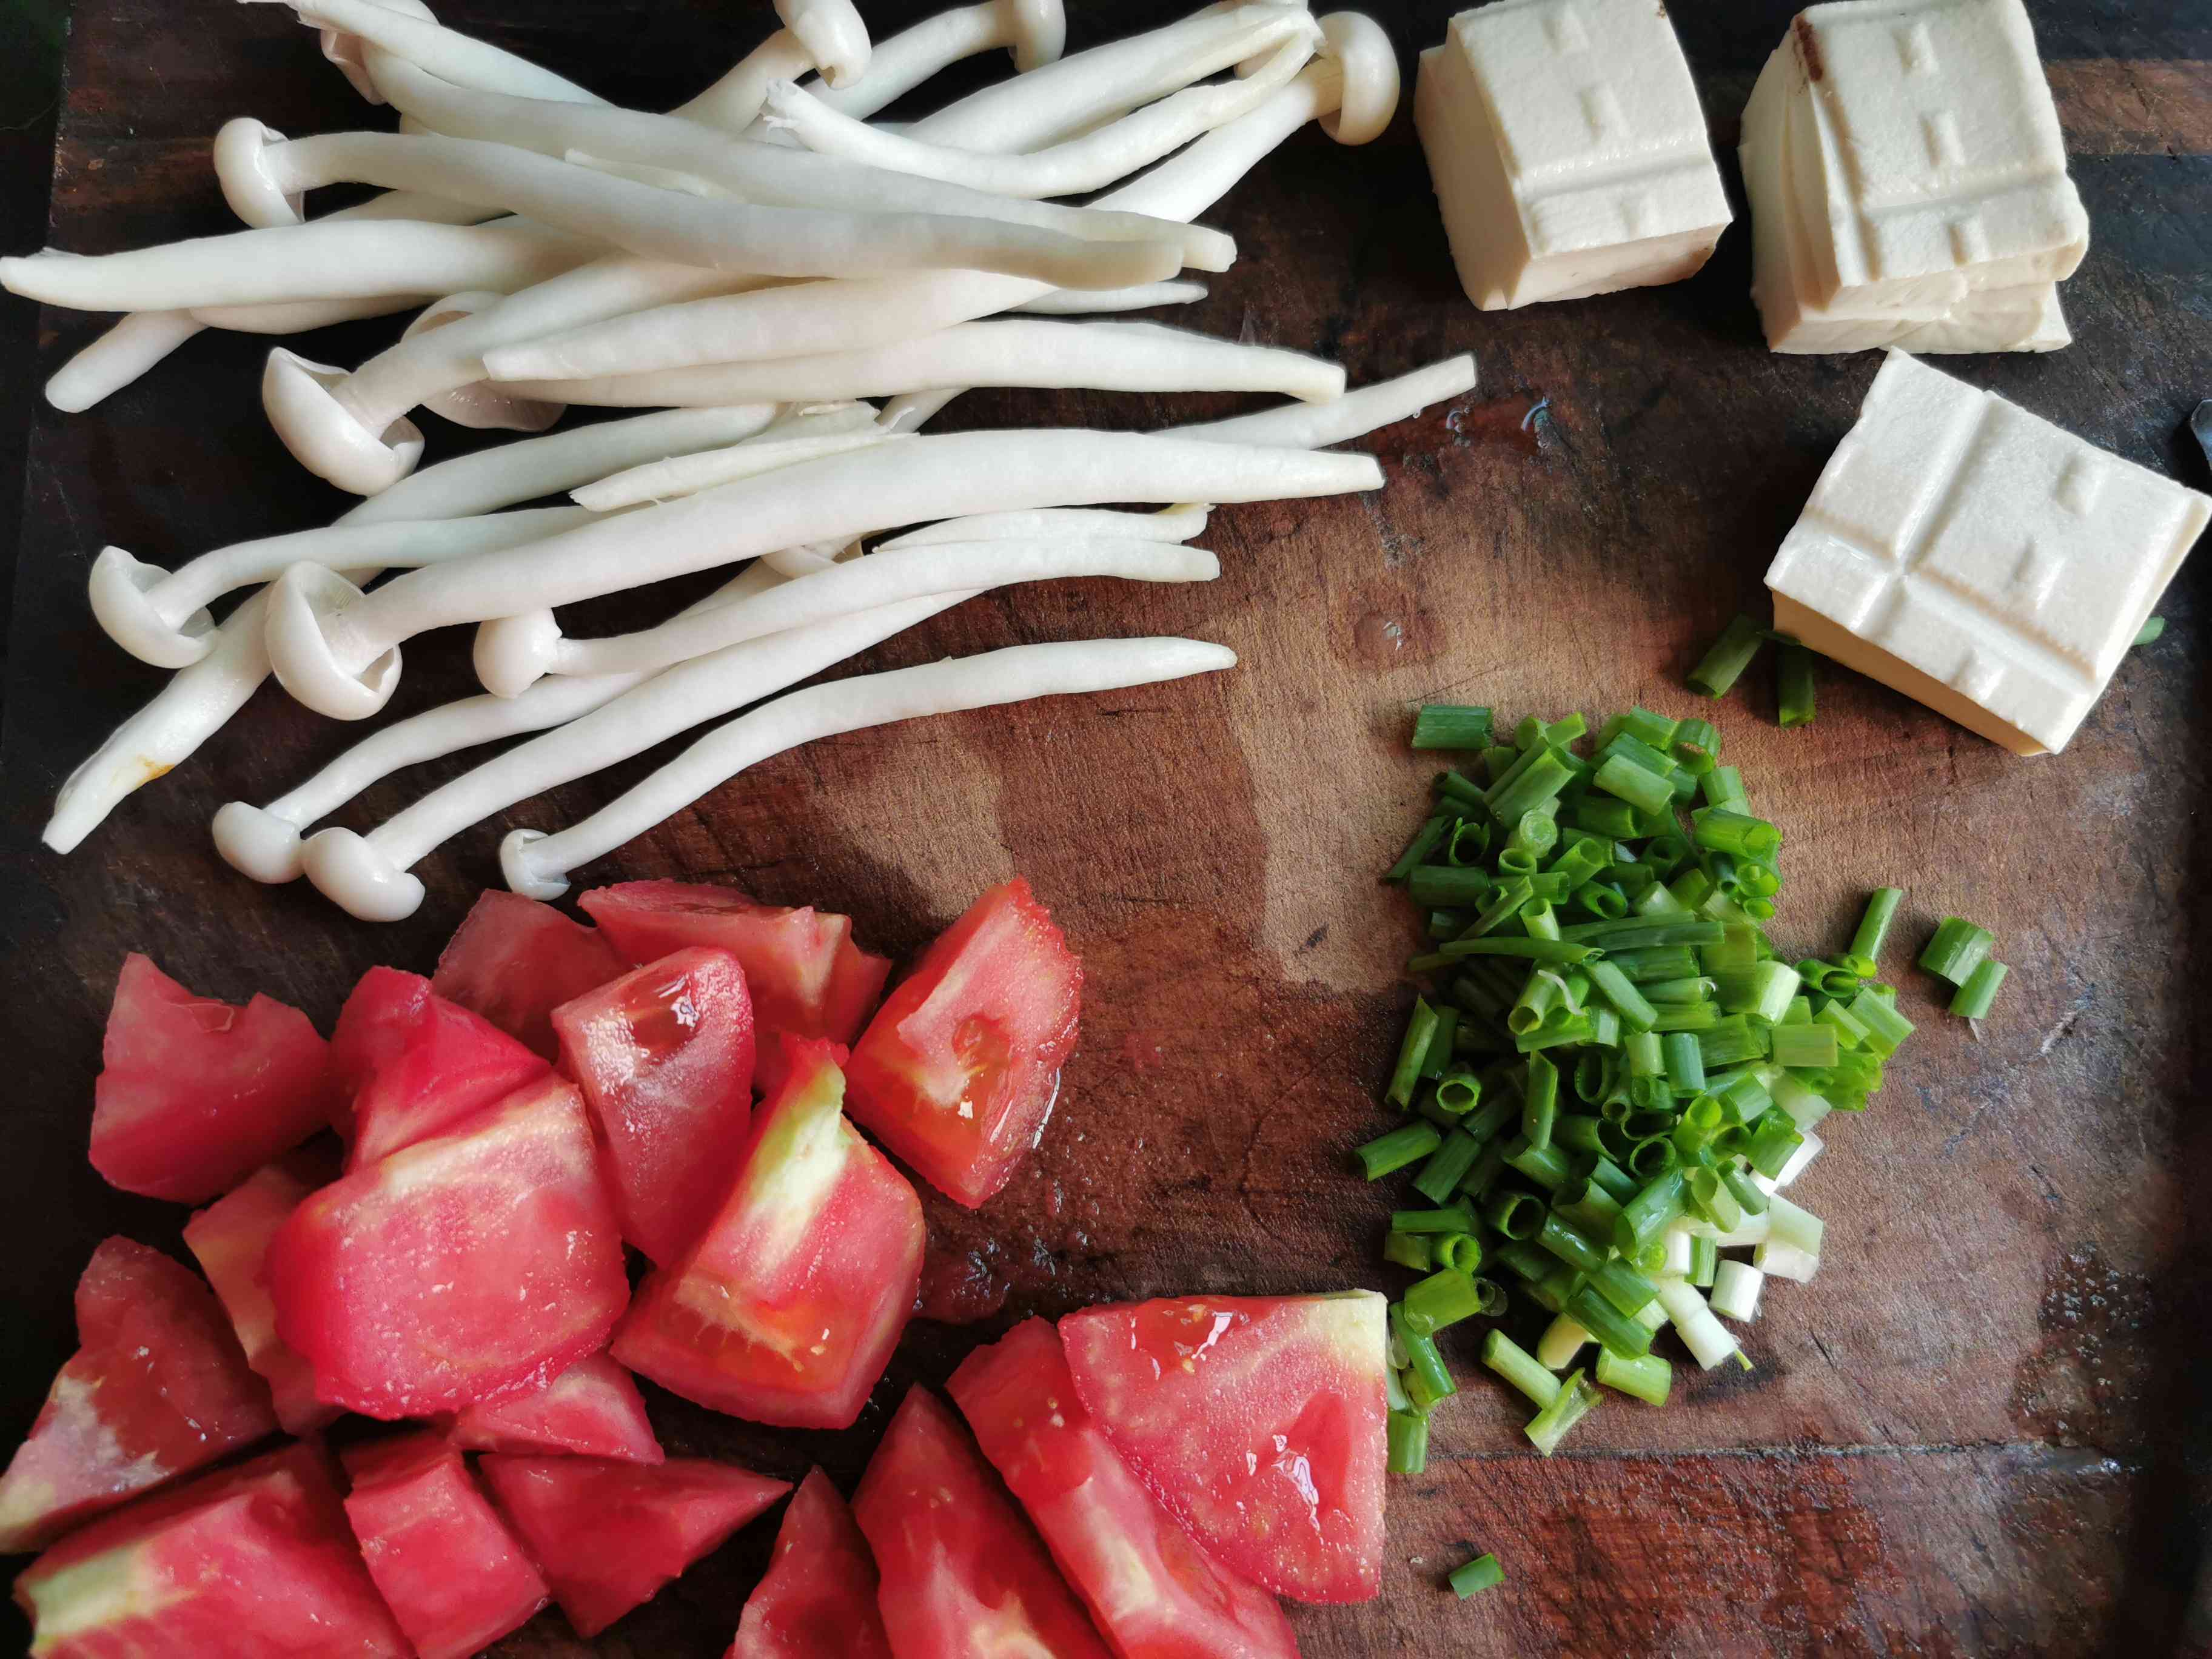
{"points": [[119, 586], [513, 653], [242, 167], [256, 843], [360, 877], [326, 437], [833, 35], [523, 875], [1368, 64], [1038, 32], [300, 652]]}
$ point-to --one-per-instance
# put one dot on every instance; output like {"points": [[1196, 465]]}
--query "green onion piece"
{"points": [[1773, 1138], [2151, 632], [1980, 990], [1723, 664], [1654, 760], [1763, 991], [1887, 1029], [1535, 833], [1649, 1378], [1732, 1040], [1461, 1251], [1622, 1285], [1501, 1354], [1803, 1045], [1697, 743], [1458, 1092], [1748, 1197], [1577, 1398], [1686, 1065], [1568, 1242], [1653, 964], [1525, 1260], [1705, 1263], [1603, 816], [1444, 887], [1849, 1033], [1426, 1371], [1493, 1116], [1562, 1340], [1451, 725], [1437, 1060], [1578, 1132], [1957, 949], [1424, 841], [1540, 1107], [1722, 830], [1873, 926], [1678, 992], [1503, 907], [1643, 932], [1588, 1206], [1450, 1219], [1645, 726], [1516, 1214], [1388, 1153], [1447, 1167], [1645, 1053], [1654, 1206], [1542, 922], [1645, 790], [1545, 1165], [1612, 1180], [1653, 1156], [1457, 791], [1409, 1443], [1613, 1328], [1407, 1250], [1477, 1183], [1634, 1008], [1441, 1299], [1794, 684], [1477, 1576], [1499, 759], [1688, 1017], [1412, 1051], [1539, 778], [1723, 786], [1555, 953]]}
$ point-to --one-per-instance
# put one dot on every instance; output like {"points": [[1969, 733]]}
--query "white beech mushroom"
{"points": [[1170, 524], [1310, 426], [1007, 351], [337, 649], [444, 52], [814, 431], [514, 652], [117, 357], [159, 616], [366, 875], [1101, 301], [538, 864], [1073, 166], [199, 700], [833, 34], [480, 405], [265, 842]]}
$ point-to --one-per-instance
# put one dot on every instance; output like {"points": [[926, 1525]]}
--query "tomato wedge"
{"points": [[963, 1573], [471, 1266], [195, 1095], [514, 961], [808, 978], [415, 1065], [591, 1410], [665, 1057], [252, 1563], [1154, 1590], [1257, 1421], [787, 1307], [957, 1072], [818, 1598], [230, 1241], [453, 1575], [611, 1534], [157, 1389]]}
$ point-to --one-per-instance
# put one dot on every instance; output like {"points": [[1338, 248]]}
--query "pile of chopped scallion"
{"points": [[1613, 1075]]}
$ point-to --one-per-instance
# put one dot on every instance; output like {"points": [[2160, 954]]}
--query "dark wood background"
{"points": [[1980, 1430]]}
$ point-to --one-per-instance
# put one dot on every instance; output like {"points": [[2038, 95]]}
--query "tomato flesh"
{"points": [[808, 978], [514, 960], [963, 1573], [787, 1307], [454, 1575], [469, 1266], [818, 1597], [591, 1410], [230, 1241], [1258, 1422], [1154, 1590], [665, 1058], [415, 1065], [611, 1534], [158, 1388], [194, 1095], [251, 1563], [957, 1072]]}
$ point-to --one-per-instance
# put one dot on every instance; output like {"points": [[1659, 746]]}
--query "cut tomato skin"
{"points": [[808, 978], [1155, 1591], [665, 1058], [957, 1072], [194, 1095], [787, 1307], [251, 1563], [514, 960], [467, 1268], [593, 1409], [818, 1600], [230, 1241], [1258, 1422], [963, 1573], [413, 1065], [611, 1534], [454, 1574], [157, 1389]]}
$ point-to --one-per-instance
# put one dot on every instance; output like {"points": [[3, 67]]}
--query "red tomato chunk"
{"points": [[158, 1388], [195, 1095], [514, 961], [1257, 1421], [818, 1598], [957, 1072], [591, 1410], [415, 1065], [471, 1266], [1156, 1592], [665, 1057], [787, 1310]]}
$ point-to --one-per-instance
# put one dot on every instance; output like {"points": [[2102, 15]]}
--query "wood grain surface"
{"points": [[1980, 1430]]}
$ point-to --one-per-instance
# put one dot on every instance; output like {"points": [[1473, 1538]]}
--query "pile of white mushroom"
{"points": [[753, 265]]}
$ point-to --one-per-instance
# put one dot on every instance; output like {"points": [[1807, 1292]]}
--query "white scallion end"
{"points": [[1735, 1290]]}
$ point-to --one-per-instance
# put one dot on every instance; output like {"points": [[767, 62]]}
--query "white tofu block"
{"points": [[1979, 559], [2022, 319], [1568, 149], [1932, 158]]}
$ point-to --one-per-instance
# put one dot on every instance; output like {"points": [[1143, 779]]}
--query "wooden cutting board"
{"points": [[1972, 1434]]}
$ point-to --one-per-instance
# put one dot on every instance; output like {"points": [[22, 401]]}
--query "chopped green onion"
{"points": [[1426, 1371], [1724, 829], [1562, 1340], [1645, 790], [1774, 1139], [1736, 1285], [1873, 926], [1655, 1203], [1588, 1205], [1539, 778], [1697, 743], [1462, 1251], [1730, 1041], [1457, 1093], [1388, 1153], [1634, 1008], [1886, 1028], [1545, 1165], [1722, 787], [1686, 1065], [1451, 725], [1501, 1354], [1408, 1443], [1614, 1180], [1577, 1397], [1656, 963], [1539, 1106], [1648, 1377], [1622, 1285], [1407, 1250], [1613, 1328], [1447, 1167], [1957, 949], [1723, 664], [1763, 991], [1438, 1059], [1451, 1219], [1704, 1262], [1444, 887], [1603, 816], [1551, 952], [1478, 1181], [1568, 1242], [2151, 632], [1803, 1045], [1794, 684], [1980, 990], [1477, 1576], [1441, 1299], [1412, 1051]]}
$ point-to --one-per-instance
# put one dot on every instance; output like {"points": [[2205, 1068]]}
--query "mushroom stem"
{"points": [[445, 54], [1089, 162], [1101, 301], [118, 357], [833, 34], [1173, 523], [1356, 414], [337, 649], [538, 864], [806, 438], [514, 652], [1018, 351]]}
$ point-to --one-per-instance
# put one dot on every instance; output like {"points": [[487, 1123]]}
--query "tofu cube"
{"points": [[1979, 559], [1568, 149]]}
